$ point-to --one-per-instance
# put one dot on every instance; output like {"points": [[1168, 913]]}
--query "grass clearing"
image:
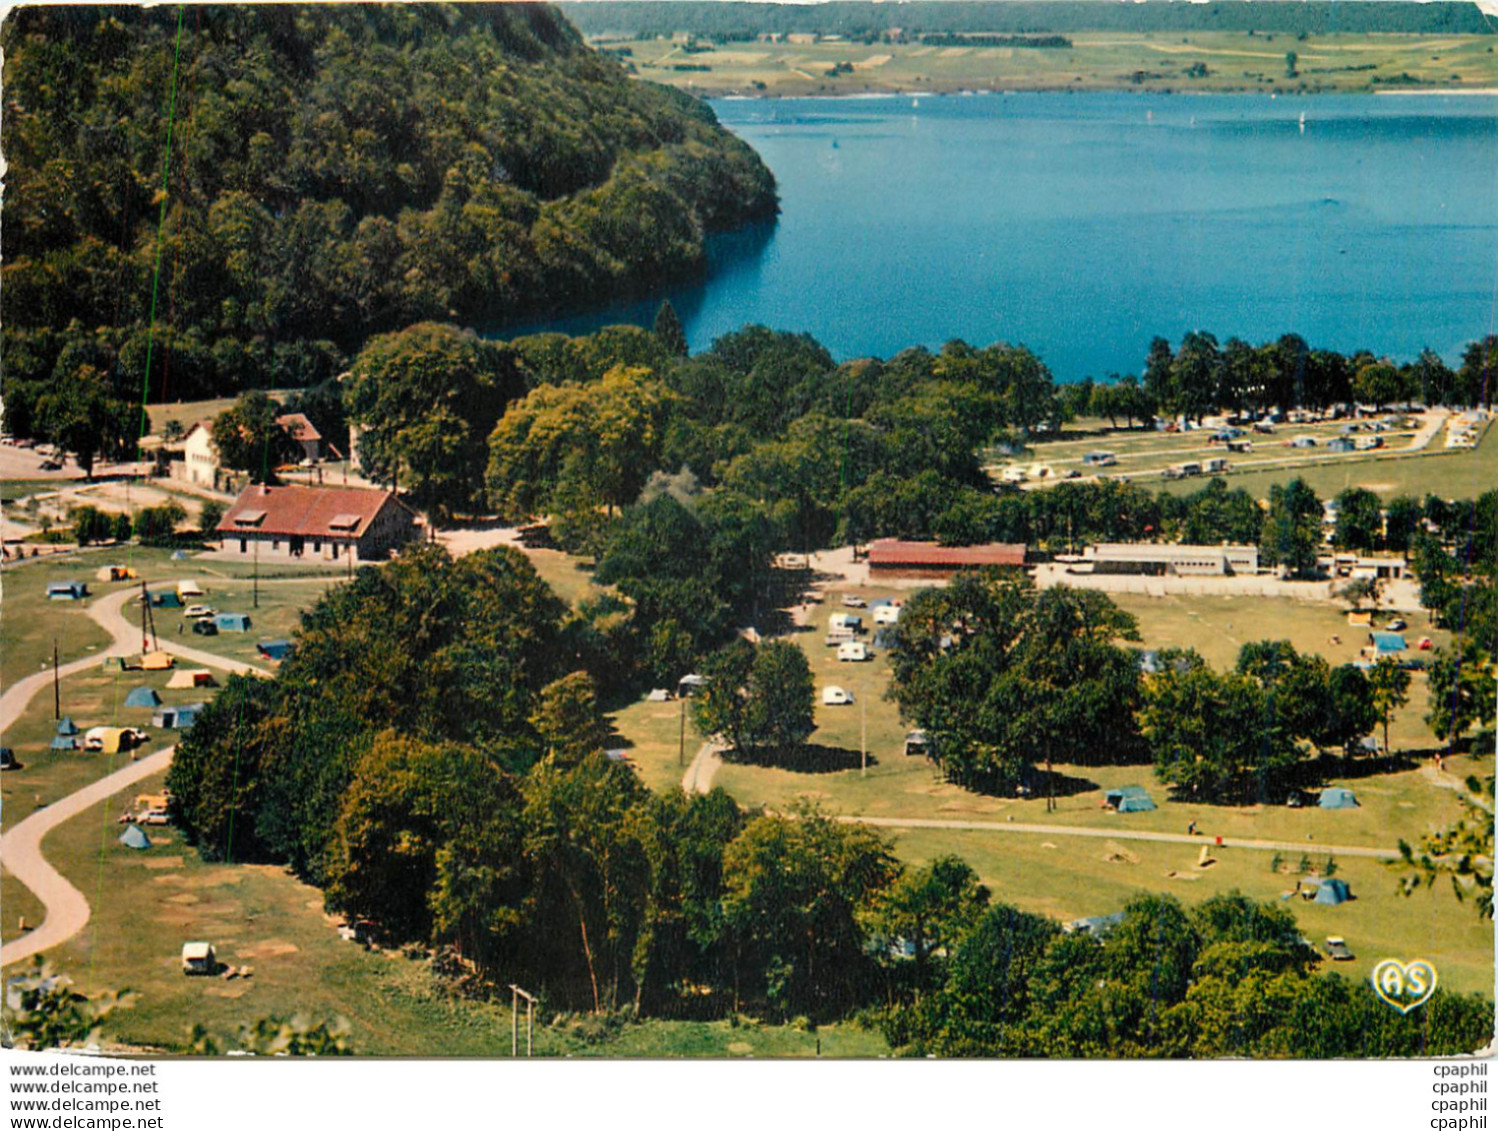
{"points": [[32, 621], [1069, 878]]}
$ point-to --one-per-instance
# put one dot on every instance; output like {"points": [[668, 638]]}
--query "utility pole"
{"points": [[516, 993], [863, 736], [256, 581], [56, 685]]}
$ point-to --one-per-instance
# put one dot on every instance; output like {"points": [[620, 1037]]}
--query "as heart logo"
{"points": [[1404, 985]]}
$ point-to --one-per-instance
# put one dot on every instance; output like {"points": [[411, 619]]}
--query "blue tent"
{"points": [[1129, 799], [67, 726], [132, 837], [1335, 797], [1332, 891], [64, 742], [275, 649], [143, 697], [179, 555], [1387, 643], [166, 599], [232, 622], [67, 591]]}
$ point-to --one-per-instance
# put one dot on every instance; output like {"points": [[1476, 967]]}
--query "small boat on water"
{"points": [[1302, 121]]}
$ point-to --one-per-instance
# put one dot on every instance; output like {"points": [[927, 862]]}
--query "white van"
{"points": [[854, 651], [887, 614]]}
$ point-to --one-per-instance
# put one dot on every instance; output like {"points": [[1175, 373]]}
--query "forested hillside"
{"points": [[318, 173]]}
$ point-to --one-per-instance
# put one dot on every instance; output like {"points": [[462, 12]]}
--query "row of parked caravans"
{"points": [[1195, 468]]}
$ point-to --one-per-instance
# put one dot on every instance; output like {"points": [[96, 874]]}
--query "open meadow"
{"points": [[1197, 62]]}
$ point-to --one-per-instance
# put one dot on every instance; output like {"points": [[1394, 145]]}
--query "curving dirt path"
{"points": [[67, 911], [21, 849], [704, 767], [1125, 834]]}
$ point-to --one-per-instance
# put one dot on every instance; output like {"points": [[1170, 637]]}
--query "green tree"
{"points": [[248, 438], [1461, 689], [1002, 676], [669, 330], [159, 523], [1360, 520], [758, 698], [602, 440], [426, 400], [1213, 737], [583, 842], [932, 908], [81, 414], [1379, 383], [1292, 527], [796, 888], [568, 719], [90, 524], [210, 514], [1390, 687]]}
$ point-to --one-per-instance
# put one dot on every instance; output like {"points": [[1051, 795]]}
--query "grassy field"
{"points": [[32, 621], [1449, 474], [1233, 61], [1069, 877]]}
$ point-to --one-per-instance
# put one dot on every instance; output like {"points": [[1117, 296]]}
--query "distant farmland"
{"points": [[1210, 61]]}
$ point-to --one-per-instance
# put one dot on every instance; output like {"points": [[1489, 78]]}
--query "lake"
{"points": [[1083, 225]]}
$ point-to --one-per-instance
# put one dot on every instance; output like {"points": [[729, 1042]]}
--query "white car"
{"points": [[836, 697], [195, 611]]}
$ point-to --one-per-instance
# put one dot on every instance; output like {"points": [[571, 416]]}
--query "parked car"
{"points": [[1397, 625], [1337, 949], [204, 628], [155, 817], [852, 602], [195, 611]]}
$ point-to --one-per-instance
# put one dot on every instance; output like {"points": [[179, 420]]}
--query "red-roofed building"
{"points": [[891, 557], [324, 522], [304, 433]]}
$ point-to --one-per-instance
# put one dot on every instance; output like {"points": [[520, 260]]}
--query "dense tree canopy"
{"points": [[1002, 677], [334, 172]]}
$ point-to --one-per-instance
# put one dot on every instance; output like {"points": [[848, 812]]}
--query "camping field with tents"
{"points": [[1071, 877], [263, 917]]}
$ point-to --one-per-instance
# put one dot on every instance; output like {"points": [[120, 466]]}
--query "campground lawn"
{"points": [[1070, 877]]}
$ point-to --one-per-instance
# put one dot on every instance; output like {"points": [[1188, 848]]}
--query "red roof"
{"points": [[343, 512], [891, 552], [299, 426]]}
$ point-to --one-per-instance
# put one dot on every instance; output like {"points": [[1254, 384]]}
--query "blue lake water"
{"points": [[1083, 225]]}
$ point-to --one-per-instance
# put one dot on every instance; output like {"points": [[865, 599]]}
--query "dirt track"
{"points": [[67, 911]]}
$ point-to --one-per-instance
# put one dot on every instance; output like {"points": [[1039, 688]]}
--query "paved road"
{"points": [[1126, 834], [67, 910]]}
